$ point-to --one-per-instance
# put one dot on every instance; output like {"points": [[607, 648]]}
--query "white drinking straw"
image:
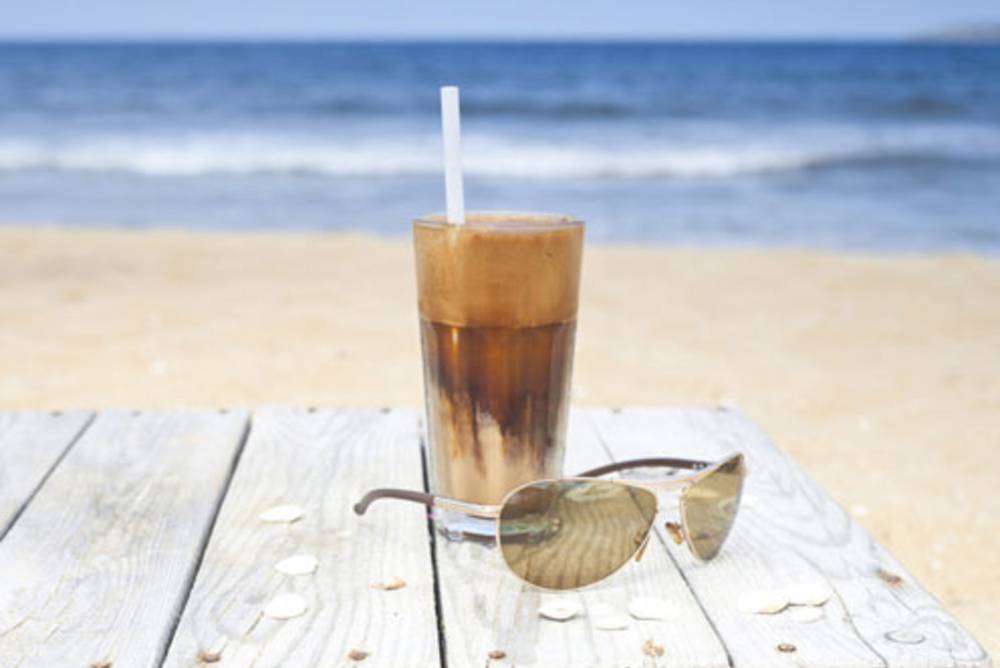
{"points": [[451, 131]]}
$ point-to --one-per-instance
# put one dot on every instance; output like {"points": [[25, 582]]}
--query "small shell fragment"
{"points": [[809, 593], [285, 513], [206, 656], [787, 647], [763, 601], [676, 532], [905, 637], [286, 606], [299, 564], [357, 655], [392, 584], [612, 621], [806, 615], [647, 607], [497, 654], [889, 578], [560, 609], [650, 648]]}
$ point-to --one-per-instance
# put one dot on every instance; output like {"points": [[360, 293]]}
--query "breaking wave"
{"points": [[372, 157]]}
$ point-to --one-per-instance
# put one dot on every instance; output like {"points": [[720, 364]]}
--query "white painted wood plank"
{"points": [[324, 462], [31, 443], [789, 530], [97, 567], [485, 608]]}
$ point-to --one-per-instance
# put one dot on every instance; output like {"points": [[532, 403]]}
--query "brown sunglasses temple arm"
{"points": [[661, 462], [428, 500], [406, 495]]}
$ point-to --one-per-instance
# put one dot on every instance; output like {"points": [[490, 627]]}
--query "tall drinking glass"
{"points": [[498, 302]]}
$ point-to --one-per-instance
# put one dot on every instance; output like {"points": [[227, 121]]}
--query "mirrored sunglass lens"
{"points": [[710, 505], [565, 534]]}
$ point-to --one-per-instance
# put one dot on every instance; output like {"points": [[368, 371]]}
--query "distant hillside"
{"points": [[986, 32]]}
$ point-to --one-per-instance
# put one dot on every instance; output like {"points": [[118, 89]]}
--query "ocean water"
{"points": [[882, 147]]}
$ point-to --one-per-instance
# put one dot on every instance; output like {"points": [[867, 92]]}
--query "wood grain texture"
{"points": [[788, 531], [31, 443], [97, 567], [484, 608], [323, 461]]}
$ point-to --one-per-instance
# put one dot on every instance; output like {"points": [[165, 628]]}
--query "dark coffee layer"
{"points": [[497, 405]]}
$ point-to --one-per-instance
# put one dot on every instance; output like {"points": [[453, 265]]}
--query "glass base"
{"points": [[458, 527]]}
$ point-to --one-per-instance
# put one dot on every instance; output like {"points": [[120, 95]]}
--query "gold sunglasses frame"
{"points": [[679, 484]]}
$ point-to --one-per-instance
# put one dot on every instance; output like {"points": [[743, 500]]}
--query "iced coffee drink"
{"points": [[498, 302]]}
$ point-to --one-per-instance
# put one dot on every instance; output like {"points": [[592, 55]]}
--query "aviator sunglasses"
{"points": [[568, 533]]}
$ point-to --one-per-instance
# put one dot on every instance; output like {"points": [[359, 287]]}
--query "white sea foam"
{"points": [[372, 156]]}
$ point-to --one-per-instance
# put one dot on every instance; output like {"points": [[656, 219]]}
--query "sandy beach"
{"points": [[881, 376]]}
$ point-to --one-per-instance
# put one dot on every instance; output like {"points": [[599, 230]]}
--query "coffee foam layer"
{"points": [[498, 270]]}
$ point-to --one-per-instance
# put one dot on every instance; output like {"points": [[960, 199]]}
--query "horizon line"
{"points": [[452, 39]]}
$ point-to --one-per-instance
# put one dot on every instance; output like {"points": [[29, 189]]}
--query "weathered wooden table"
{"points": [[133, 539]]}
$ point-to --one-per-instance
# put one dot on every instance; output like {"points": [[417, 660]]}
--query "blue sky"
{"points": [[480, 18]]}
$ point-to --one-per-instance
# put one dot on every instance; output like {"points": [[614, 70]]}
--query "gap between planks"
{"points": [[99, 559], [432, 542], [88, 419], [203, 543]]}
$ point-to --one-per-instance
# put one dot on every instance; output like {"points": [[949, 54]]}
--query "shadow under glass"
{"points": [[709, 507], [566, 534]]}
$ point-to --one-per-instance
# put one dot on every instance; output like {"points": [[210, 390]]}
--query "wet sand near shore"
{"points": [[881, 376]]}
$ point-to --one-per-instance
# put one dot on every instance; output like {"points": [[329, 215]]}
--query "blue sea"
{"points": [[878, 147]]}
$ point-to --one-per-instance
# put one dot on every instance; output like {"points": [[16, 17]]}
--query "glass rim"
{"points": [[481, 219]]}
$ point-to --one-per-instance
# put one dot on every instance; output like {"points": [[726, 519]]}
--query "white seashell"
{"points": [[600, 609], [560, 609], [809, 593], [286, 606], [763, 601], [299, 564], [286, 512], [614, 621], [806, 615], [646, 607], [905, 637]]}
